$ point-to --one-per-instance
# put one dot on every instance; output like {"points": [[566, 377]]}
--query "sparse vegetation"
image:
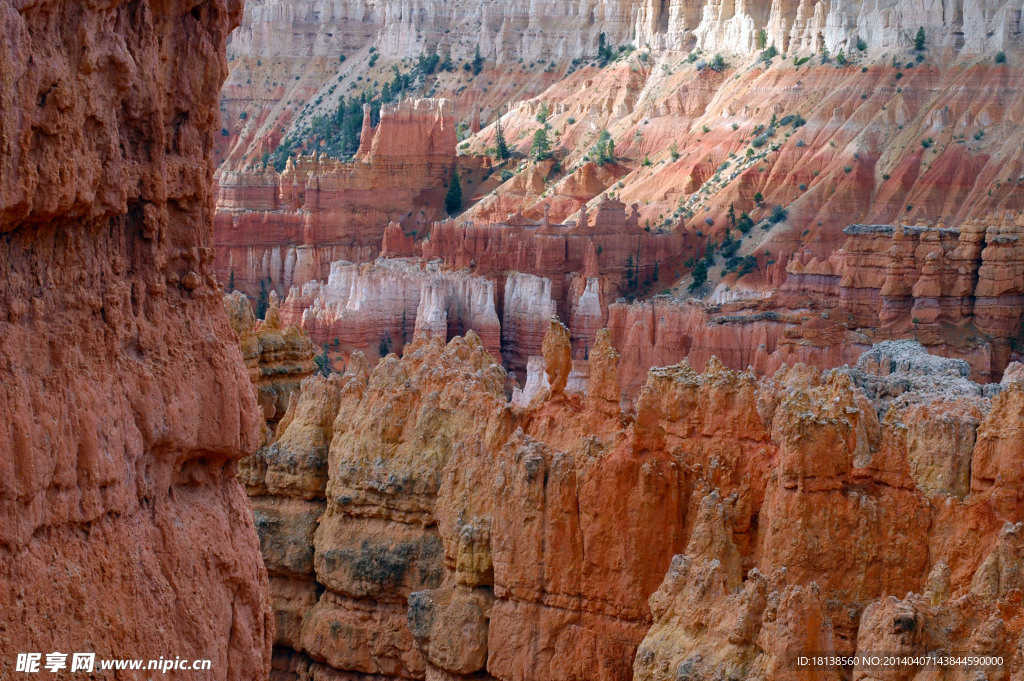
{"points": [[777, 215], [744, 223], [769, 54], [323, 362], [604, 52], [384, 347], [543, 113], [478, 62]]}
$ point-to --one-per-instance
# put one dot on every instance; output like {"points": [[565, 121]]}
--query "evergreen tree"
{"points": [[478, 62], [231, 282], [540, 150], [500, 144], [919, 40], [604, 52], [745, 223], [385, 344], [762, 39], [603, 151], [453, 199], [323, 362], [263, 300], [732, 215]]}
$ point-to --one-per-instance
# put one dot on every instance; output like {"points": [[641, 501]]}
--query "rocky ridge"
{"points": [[461, 536]]}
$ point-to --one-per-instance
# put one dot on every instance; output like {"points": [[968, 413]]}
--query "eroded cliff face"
{"points": [[285, 229], [731, 524], [126, 403]]}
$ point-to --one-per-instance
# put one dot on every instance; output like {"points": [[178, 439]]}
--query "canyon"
{"points": [[659, 340], [740, 180], [675, 340]]}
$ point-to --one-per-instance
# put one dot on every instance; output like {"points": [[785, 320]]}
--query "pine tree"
{"points": [[323, 362], [919, 40], [385, 344], [540, 150], [500, 145], [604, 52], [453, 199], [478, 62], [732, 215], [231, 282], [263, 300]]}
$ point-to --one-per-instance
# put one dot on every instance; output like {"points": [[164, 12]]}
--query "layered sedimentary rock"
{"points": [[573, 270], [125, 401], [278, 359], [610, 242], [892, 275], [285, 229], [289, 51], [377, 308], [762, 518], [505, 281], [872, 132], [664, 331], [956, 289]]}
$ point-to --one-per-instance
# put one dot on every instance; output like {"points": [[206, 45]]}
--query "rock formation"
{"points": [[806, 585], [463, 537], [285, 229], [125, 401], [377, 308], [277, 359]]}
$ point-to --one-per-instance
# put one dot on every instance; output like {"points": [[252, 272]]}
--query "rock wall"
{"points": [[508, 32], [935, 536], [125, 399]]}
